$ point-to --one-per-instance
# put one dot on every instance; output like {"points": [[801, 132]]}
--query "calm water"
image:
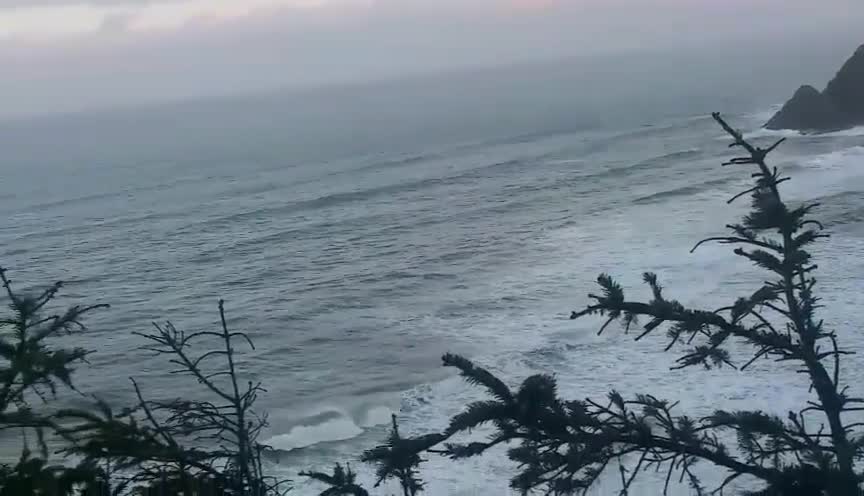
{"points": [[358, 234]]}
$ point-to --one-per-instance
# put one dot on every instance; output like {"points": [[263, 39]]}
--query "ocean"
{"points": [[357, 233]]}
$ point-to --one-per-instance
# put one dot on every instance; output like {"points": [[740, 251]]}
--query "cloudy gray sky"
{"points": [[61, 55]]}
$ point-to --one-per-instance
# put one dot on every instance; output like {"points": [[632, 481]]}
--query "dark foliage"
{"points": [[156, 447], [180, 443], [34, 476], [32, 369], [398, 458], [342, 482]]}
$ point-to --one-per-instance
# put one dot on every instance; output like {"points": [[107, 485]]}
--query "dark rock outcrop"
{"points": [[846, 90], [807, 110], [840, 106]]}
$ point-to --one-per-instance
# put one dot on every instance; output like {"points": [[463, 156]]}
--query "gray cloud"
{"points": [[39, 3], [395, 38]]}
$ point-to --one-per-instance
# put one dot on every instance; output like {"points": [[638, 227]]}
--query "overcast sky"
{"points": [[59, 55]]}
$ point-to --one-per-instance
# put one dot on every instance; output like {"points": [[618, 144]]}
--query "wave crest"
{"points": [[329, 426]]}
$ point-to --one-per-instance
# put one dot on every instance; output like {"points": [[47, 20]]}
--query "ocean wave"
{"points": [[376, 416], [683, 191], [13, 252], [760, 117], [406, 160], [329, 426], [762, 132], [689, 153], [527, 138], [844, 159], [827, 172], [855, 131], [650, 163], [842, 196], [848, 218], [391, 163], [123, 193], [791, 166], [650, 130], [321, 202], [357, 196], [571, 161], [698, 118], [845, 208], [304, 436], [836, 181], [72, 230], [770, 133]]}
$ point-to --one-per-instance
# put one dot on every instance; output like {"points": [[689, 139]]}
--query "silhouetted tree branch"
{"points": [[399, 457], [342, 482], [186, 439]]}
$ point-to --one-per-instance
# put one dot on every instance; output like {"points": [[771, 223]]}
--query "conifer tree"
{"points": [[31, 371]]}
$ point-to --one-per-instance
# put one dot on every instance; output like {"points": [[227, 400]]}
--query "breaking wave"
{"points": [[330, 425]]}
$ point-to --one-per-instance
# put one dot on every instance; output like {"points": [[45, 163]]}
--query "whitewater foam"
{"points": [[855, 131], [791, 133], [760, 117], [376, 416], [335, 425], [761, 132], [840, 158], [825, 174], [303, 436]]}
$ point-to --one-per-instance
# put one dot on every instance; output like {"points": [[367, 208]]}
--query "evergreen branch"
{"points": [[788, 223], [479, 376]]}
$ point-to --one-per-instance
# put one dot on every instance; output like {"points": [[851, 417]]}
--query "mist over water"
{"points": [[358, 233]]}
